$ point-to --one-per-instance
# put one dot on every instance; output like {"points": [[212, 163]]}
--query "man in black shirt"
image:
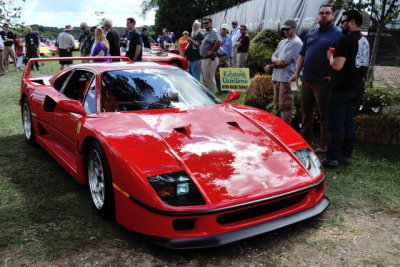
{"points": [[350, 62], [8, 50], [135, 43], [32, 44], [145, 38]]}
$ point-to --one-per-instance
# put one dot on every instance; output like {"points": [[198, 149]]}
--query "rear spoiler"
{"points": [[30, 62]]}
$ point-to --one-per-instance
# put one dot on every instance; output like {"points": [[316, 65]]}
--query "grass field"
{"points": [[45, 214]]}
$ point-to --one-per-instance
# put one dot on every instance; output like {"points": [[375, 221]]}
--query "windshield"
{"points": [[138, 89]]}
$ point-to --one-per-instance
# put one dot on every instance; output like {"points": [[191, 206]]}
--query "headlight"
{"points": [[310, 161], [176, 189]]}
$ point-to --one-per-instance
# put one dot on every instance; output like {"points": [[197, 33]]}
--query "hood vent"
{"points": [[184, 130], [235, 125]]}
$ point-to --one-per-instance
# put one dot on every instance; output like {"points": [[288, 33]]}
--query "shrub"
{"points": [[261, 86], [259, 56], [262, 46], [269, 38], [375, 99], [256, 101]]}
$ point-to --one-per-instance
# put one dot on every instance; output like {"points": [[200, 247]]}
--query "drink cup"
{"points": [[331, 49], [293, 86]]}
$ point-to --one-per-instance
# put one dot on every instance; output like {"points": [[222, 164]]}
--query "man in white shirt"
{"points": [[235, 34]]}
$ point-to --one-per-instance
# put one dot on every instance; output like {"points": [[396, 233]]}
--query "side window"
{"points": [[76, 84], [90, 99], [58, 84]]}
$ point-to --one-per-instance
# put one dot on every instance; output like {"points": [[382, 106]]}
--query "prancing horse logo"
{"points": [[265, 185]]}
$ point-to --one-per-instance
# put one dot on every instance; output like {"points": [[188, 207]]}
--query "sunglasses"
{"points": [[343, 21], [324, 13], [242, 29], [206, 23]]}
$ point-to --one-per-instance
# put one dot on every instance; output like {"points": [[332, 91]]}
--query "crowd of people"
{"points": [[331, 80]]}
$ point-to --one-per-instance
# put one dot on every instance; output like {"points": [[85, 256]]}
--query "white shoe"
{"points": [[7, 70]]}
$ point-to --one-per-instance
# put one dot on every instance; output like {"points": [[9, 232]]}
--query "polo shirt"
{"points": [[210, 38], [10, 36], [316, 43]]}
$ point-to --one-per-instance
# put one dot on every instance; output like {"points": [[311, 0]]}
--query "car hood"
{"points": [[230, 156]]}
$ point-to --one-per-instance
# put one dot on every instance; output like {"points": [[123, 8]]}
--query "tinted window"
{"points": [[76, 84], [125, 90]]}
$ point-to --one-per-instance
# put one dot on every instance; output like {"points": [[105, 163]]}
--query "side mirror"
{"points": [[233, 95], [73, 106]]}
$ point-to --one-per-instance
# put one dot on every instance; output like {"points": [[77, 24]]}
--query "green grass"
{"points": [[45, 214]]}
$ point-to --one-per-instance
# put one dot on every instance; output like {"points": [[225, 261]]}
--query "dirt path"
{"points": [[353, 238]]}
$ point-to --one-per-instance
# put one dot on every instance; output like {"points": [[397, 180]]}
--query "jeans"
{"points": [[194, 69], [341, 106]]}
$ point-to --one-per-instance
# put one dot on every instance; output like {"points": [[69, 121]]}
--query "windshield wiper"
{"points": [[138, 103]]}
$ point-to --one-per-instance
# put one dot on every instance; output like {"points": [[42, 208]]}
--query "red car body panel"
{"points": [[165, 59], [238, 157]]}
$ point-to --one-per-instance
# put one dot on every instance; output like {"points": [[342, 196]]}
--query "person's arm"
{"points": [[215, 48], [299, 66], [336, 63], [137, 52]]}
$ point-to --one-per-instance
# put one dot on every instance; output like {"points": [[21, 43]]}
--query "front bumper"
{"points": [[225, 238]]}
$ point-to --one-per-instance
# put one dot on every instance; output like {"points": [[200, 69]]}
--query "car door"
{"points": [[65, 124]]}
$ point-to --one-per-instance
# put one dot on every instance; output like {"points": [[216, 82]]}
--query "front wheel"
{"points": [[100, 181], [27, 122]]}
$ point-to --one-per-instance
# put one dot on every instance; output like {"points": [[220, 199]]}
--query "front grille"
{"points": [[259, 210]]}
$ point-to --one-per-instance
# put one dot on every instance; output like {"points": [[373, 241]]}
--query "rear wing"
{"points": [[27, 70]]}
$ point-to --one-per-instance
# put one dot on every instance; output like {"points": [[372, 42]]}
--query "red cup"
{"points": [[331, 49]]}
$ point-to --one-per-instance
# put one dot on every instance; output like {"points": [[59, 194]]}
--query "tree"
{"points": [[384, 11], [178, 16], [9, 11]]}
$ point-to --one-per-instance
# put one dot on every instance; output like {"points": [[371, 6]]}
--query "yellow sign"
{"points": [[234, 78]]}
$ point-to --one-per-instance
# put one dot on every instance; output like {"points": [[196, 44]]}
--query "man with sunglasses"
{"points": [[208, 52], [316, 75], [350, 62], [284, 61]]}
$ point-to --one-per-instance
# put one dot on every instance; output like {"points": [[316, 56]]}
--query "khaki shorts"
{"points": [[9, 52]]}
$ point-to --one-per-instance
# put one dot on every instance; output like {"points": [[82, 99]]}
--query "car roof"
{"points": [[108, 66]]}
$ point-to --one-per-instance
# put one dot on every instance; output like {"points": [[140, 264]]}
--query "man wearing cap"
{"points": [[8, 50], [224, 54], [66, 44], [208, 53], [242, 46], [284, 61], [235, 34], [317, 74], [85, 41]]}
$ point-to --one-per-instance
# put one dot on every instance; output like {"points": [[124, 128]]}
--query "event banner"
{"points": [[234, 78]]}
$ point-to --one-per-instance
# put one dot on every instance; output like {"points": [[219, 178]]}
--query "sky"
{"points": [[73, 12]]}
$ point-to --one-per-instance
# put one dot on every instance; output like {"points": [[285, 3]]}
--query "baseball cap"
{"points": [[224, 26], [289, 24], [235, 22]]}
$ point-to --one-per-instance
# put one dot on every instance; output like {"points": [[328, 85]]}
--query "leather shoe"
{"points": [[321, 149]]}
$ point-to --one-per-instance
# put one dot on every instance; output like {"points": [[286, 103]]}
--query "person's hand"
{"points": [[209, 53], [295, 77], [231, 63], [268, 69], [329, 55]]}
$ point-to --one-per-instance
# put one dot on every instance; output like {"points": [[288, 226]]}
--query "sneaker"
{"points": [[7, 70], [328, 163], [321, 149]]}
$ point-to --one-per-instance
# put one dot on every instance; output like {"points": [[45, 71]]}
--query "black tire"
{"points": [[100, 181], [27, 122]]}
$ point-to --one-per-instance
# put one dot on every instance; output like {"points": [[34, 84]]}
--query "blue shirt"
{"points": [[226, 46], [316, 44]]}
